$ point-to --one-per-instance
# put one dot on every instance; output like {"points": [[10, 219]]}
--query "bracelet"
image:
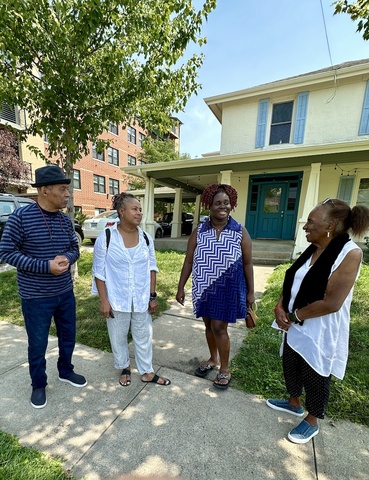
{"points": [[278, 307], [293, 316]]}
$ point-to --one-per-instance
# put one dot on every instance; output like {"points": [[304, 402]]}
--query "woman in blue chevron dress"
{"points": [[220, 260]]}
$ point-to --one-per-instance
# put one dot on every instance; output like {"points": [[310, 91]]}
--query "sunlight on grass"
{"points": [[91, 326], [24, 463]]}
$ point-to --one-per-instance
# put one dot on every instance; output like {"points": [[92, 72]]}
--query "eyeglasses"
{"points": [[327, 200]]}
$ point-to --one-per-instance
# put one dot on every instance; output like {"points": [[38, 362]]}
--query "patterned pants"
{"points": [[299, 375]]}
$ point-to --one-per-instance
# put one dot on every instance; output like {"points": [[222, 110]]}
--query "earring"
{"points": [[328, 234]]}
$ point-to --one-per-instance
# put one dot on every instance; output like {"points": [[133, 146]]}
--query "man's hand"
{"points": [[59, 265]]}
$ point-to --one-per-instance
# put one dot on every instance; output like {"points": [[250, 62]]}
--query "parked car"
{"points": [[93, 226], [9, 203], [79, 232], [187, 223]]}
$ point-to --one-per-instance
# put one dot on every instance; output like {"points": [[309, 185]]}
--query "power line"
{"points": [[326, 33]]}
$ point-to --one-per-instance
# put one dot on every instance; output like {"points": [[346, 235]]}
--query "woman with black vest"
{"points": [[313, 311]]}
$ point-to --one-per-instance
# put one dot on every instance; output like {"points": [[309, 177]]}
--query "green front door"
{"points": [[271, 210], [272, 207]]}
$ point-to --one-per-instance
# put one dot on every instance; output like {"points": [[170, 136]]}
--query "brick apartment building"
{"points": [[98, 176]]}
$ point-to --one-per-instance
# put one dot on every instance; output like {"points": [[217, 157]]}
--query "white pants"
{"points": [[141, 330]]}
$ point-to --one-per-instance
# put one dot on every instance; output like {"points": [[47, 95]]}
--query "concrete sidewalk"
{"points": [[189, 430]]}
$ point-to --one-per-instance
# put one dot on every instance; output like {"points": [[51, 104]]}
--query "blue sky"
{"points": [[255, 42]]}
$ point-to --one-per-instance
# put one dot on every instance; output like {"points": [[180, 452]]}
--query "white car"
{"points": [[93, 226]]}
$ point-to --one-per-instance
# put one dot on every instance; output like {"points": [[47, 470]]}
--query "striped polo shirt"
{"points": [[31, 238]]}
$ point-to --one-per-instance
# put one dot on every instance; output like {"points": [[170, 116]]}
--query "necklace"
{"points": [[49, 229], [219, 229]]}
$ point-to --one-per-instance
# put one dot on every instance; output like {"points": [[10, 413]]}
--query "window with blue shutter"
{"points": [[301, 111], [364, 122], [262, 123], [280, 127]]}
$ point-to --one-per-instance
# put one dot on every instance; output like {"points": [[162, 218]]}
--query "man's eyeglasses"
{"points": [[328, 200]]}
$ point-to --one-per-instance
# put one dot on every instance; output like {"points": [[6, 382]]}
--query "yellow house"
{"points": [[16, 119], [285, 146]]}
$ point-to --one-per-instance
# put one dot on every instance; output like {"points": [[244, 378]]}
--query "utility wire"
{"points": [[330, 56], [326, 33]]}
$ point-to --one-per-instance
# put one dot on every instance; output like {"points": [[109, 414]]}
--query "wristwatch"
{"points": [[153, 296], [294, 318]]}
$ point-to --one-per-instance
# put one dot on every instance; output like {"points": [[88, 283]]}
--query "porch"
{"points": [[264, 252]]}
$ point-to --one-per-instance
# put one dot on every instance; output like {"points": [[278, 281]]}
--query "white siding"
{"points": [[333, 115]]}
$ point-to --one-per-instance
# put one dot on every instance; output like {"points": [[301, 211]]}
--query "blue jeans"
{"points": [[37, 314]]}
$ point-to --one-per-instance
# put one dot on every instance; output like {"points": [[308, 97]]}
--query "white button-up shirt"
{"points": [[126, 276]]}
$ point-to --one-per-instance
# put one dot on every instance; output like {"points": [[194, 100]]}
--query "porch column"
{"points": [[149, 206], [196, 216], [148, 223], [177, 214], [225, 177], [310, 201]]}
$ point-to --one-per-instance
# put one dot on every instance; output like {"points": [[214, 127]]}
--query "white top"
{"points": [[127, 278], [323, 341]]}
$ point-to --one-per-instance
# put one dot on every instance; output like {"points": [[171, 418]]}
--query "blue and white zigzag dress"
{"points": [[218, 280]]}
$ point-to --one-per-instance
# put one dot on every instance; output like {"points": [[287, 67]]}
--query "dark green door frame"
{"points": [[272, 205]]}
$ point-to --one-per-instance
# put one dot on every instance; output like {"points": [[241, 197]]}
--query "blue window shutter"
{"points": [[262, 123], [301, 110], [364, 122]]}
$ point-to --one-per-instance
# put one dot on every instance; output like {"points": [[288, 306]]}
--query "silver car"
{"points": [[94, 226]]}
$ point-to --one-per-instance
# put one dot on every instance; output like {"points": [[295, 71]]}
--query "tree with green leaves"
{"points": [[13, 172], [358, 11], [77, 65], [155, 150]]}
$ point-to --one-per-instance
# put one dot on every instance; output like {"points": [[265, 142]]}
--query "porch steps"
{"points": [[271, 252], [264, 252]]}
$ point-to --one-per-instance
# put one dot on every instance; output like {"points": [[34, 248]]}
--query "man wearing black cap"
{"points": [[39, 240]]}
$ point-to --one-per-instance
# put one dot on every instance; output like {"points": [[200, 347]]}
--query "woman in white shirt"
{"points": [[124, 271], [314, 312]]}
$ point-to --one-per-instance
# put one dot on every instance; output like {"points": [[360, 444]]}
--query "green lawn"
{"points": [[255, 369], [91, 326], [24, 463]]}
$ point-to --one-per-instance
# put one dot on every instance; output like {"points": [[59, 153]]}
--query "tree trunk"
{"points": [[68, 166]]}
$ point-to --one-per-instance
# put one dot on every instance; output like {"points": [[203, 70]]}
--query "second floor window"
{"points": [[99, 184], [113, 128], [141, 138], [113, 186], [113, 156], [8, 113], [77, 179], [131, 160], [280, 129], [97, 156], [131, 135]]}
